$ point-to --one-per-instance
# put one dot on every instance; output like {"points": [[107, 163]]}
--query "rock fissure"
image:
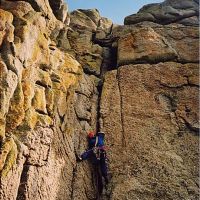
{"points": [[121, 109], [73, 182], [179, 19], [191, 127], [42, 84], [22, 184], [179, 86]]}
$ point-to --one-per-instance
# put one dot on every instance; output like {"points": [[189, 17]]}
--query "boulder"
{"points": [[105, 24], [16, 109], [165, 13], [60, 9], [17, 8], [63, 40], [144, 45], [93, 14], [6, 27], [41, 6], [79, 20], [184, 41], [80, 42]]}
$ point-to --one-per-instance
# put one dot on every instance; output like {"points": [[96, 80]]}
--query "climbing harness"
{"points": [[96, 149]]}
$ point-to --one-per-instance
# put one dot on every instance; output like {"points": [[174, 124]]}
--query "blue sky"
{"points": [[116, 10]]}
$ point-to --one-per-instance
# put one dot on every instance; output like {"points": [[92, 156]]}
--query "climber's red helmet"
{"points": [[91, 134]]}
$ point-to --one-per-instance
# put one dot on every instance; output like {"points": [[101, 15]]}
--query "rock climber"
{"points": [[97, 153]]}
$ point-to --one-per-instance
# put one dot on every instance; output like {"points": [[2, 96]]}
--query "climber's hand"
{"points": [[78, 158]]}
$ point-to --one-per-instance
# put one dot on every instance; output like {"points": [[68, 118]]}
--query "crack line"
{"points": [[121, 108]]}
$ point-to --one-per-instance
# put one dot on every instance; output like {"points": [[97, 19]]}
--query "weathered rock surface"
{"points": [[88, 27], [167, 12], [62, 77], [82, 20], [153, 130], [144, 45], [176, 40], [59, 9], [41, 127]]}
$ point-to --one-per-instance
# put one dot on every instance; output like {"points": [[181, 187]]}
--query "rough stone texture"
{"points": [[59, 9], [40, 129], [91, 63], [82, 20], [180, 42], [153, 130], [144, 45], [51, 78], [84, 25], [93, 14], [167, 12]]}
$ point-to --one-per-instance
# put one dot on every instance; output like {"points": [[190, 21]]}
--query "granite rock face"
{"points": [[153, 129], [64, 74], [144, 45], [138, 44], [41, 128], [180, 11]]}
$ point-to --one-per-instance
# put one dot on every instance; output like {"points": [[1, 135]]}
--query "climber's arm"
{"points": [[87, 154]]}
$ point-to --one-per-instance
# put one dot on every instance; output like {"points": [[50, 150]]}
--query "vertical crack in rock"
{"points": [[23, 183], [98, 124], [121, 108], [73, 182]]}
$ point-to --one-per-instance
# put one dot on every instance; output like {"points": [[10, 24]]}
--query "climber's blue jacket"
{"points": [[92, 141], [102, 161]]}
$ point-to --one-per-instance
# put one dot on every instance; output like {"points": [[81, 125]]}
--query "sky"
{"points": [[116, 10]]}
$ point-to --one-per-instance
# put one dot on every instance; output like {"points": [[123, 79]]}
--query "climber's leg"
{"points": [[104, 169]]}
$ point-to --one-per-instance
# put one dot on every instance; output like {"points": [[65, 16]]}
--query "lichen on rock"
{"points": [[8, 155]]}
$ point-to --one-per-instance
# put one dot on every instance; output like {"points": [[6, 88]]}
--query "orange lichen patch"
{"points": [[43, 78], [69, 71], [40, 50], [30, 120], [28, 82], [2, 128], [44, 120], [6, 27], [2, 35], [39, 100], [16, 111], [17, 8], [5, 17], [8, 155], [32, 45], [49, 100], [28, 90]]}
